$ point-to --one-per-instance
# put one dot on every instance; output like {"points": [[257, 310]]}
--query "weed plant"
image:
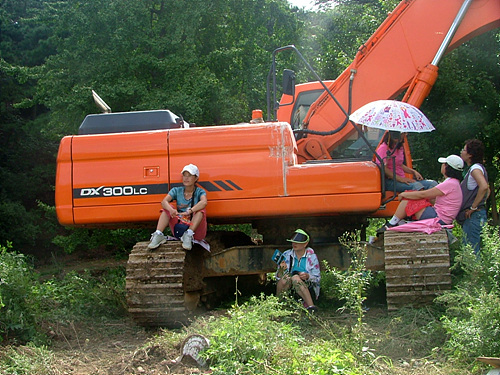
{"points": [[120, 240], [266, 335], [269, 336], [350, 286], [472, 317], [80, 295]]}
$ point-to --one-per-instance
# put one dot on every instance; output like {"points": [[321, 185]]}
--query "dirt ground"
{"points": [[121, 347], [113, 348]]}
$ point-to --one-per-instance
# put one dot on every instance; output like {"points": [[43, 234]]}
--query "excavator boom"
{"points": [[400, 54]]}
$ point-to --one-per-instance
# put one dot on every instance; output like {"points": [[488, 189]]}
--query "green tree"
{"points": [[342, 29], [204, 61], [464, 104], [26, 152]]}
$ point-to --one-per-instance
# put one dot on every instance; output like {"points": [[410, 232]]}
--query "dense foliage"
{"points": [[464, 104], [264, 334]]}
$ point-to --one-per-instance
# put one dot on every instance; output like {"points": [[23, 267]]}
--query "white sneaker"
{"points": [[156, 240], [187, 241]]}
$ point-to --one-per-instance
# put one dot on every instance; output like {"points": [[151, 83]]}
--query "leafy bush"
{"points": [[26, 303], [373, 225], [473, 308], [244, 228], [249, 335], [348, 286], [82, 295], [30, 229], [17, 311], [90, 239], [121, 240], [17, 223], [261, 337]]}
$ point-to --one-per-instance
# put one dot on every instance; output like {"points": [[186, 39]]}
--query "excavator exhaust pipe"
{"points": [[101, 103]]}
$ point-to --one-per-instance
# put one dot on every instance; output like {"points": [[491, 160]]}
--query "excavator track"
{"points": [[157, 285], [417, 268]]}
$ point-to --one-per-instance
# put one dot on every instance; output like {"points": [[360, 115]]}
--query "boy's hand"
{"points": [[282, 270]]}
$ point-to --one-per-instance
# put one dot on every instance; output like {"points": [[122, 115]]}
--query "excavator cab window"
{"points": [[301, 107], [355, 147]]}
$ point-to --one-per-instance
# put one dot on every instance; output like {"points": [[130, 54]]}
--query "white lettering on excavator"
{"points": [[90, 191], [113, 191], [123, 190]]}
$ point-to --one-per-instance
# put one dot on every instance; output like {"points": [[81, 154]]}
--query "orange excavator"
{"points": [[308, 166]]}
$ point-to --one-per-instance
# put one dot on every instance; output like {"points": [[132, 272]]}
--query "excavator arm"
{"points": [[402, 54]]}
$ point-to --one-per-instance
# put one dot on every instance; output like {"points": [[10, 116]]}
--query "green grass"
{"points": [[27, 360]]}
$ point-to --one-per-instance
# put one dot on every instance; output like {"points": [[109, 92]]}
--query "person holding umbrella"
{"points": [[391, 151], [395, 117], [447, 197]]}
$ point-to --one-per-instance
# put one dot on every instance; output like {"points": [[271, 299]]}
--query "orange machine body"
{"points": [[248, 171]]}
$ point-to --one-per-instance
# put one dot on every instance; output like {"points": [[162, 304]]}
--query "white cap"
{"points": [[192, 169], [453, 161]]}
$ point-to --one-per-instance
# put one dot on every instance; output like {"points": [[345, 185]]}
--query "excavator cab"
{"points": [[295, 110], [342, 141]]}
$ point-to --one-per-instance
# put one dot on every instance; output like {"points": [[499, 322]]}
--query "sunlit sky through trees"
{"points": [[302, 3]]}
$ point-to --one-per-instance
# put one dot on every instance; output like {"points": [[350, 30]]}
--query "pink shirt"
{"points": [[448, 205], [398, 154]]}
